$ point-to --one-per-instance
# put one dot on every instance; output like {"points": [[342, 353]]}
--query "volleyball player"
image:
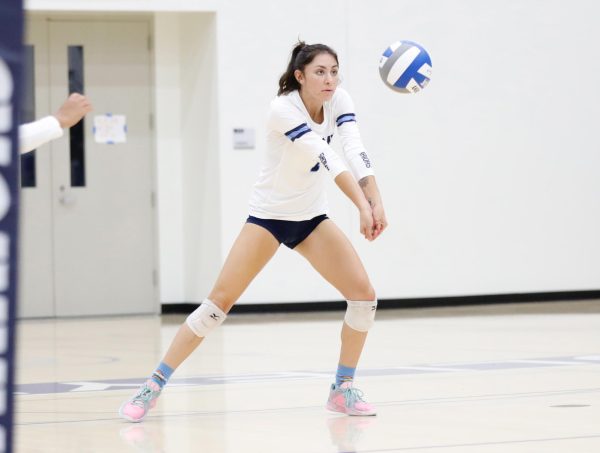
{"points": [[288, 206]]}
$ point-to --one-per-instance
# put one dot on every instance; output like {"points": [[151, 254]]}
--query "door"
{"points": [[36, 280], [100, 194]]}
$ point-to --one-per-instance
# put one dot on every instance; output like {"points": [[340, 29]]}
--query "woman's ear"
{"points": [[299, 76]]}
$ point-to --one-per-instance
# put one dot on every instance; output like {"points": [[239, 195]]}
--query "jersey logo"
{"points": [[365, 159], [328, 138], [316, 167], [323, 160], [345, 118]]}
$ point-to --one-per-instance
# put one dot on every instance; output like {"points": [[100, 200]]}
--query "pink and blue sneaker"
{"points": [[136, 408], [348, 400]]}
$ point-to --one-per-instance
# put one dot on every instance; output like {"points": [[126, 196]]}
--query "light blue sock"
{"points": [[344, 374], [162, 374]]}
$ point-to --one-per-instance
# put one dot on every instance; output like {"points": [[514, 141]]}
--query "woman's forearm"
{"points": [[347, 184], [370, 190]]}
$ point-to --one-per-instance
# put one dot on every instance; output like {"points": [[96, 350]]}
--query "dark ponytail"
{"points": [[302, 55]]}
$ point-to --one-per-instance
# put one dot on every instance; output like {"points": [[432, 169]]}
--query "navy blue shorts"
{"points": [[288, 232]]}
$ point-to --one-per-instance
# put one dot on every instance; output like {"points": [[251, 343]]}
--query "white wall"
{"points": [[488, 176], [253, 54], [169, 145], [491, 172], [188, 157], [199, 128]]}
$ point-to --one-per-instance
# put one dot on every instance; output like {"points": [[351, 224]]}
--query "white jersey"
{"points": [[291, 184], [33, 135]]}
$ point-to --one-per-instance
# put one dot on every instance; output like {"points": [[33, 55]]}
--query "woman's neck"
{"points": [[314, 107]]}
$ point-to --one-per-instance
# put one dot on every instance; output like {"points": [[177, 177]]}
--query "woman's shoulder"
{"points": [[341, 96], [285, 103], [341, 102]]}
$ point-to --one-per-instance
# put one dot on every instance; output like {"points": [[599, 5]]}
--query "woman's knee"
{"points": [[222, 299], [363, 290], [370, 293], [205, 318], [360, 315]]}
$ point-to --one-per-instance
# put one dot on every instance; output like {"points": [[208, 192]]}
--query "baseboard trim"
{"points": [[292, 307]]}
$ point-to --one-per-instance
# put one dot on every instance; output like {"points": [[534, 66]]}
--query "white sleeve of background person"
{"points": [[354, 151], [35, 134], [284, 118]]}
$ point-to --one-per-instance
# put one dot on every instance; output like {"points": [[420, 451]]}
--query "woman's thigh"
{"points": [[251, 251], [332, 255]]}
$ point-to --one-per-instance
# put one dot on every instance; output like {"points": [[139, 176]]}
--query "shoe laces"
{"points": [[143, 396], [352, 396]]}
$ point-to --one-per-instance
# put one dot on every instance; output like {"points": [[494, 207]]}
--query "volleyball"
{"points": [[405, 67]]}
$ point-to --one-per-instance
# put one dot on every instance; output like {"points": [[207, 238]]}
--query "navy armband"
{"points": [[298, 132], [345, 118]]}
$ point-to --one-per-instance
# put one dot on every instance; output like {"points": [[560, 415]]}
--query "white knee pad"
{"points": [[205, 318], [360, 315]]}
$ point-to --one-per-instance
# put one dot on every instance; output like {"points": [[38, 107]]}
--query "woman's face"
{"points": [[319, 78]]}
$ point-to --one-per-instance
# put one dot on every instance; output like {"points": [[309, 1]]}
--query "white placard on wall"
{"points": [[110, 129], [243, 138]]}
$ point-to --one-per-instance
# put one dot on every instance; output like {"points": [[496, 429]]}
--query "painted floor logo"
{"points": [[404, 370]]}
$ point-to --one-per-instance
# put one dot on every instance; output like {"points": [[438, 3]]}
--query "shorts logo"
{"points": [[316, 167], [365, 159]]}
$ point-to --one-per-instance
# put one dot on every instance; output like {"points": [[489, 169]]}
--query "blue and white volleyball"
{"points": [[405, 67]]}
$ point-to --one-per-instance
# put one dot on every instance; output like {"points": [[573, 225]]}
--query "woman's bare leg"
{"points": [[330, 252], [251, 251]]}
